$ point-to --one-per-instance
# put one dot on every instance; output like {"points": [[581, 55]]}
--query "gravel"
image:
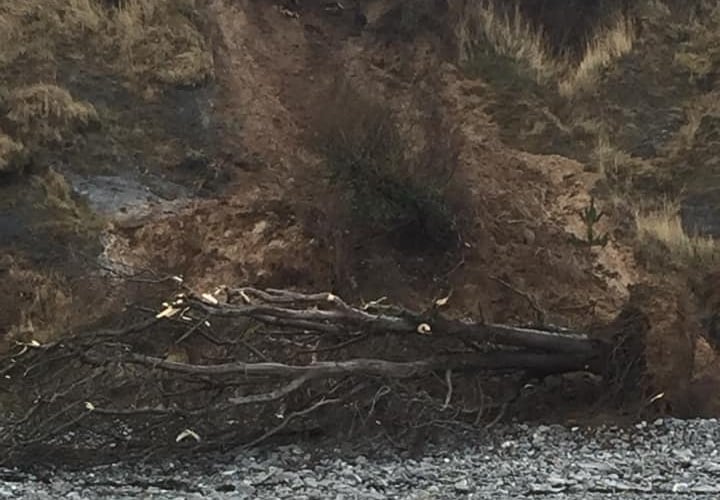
{"points": [[651, 460]]}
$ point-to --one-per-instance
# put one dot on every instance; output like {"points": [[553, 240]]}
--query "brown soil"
{"points": [[520, 254], [525, 207], [521, 259]]}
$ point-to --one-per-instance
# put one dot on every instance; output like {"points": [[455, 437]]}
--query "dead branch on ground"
{"points": [[210, 361]]}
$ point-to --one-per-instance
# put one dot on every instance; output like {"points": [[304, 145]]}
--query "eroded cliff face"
{"points": [[522, 208], [222, 183]]}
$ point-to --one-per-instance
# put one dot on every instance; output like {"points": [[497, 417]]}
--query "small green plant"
{"points": [[590, 215]]}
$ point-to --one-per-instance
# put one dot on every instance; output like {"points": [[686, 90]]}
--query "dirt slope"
{"points": [[521, 256], [525, 208]]}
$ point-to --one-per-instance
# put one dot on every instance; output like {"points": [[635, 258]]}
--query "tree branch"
{"points": [[332, 315], [274, 395], [498, 360]]}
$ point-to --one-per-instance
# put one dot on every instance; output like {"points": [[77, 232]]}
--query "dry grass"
{"points": [[664, 225], [149, 41], [11, 155], [605, 47], [158, 42], [46, 113], [85, 16], [686, 137], [43, 309], [619, 168], [152, 43], [510, 35], [699, 53], [37, 29], [69, 214]]}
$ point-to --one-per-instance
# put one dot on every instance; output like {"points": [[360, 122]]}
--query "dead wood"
{"points": [[276, 307], [497, 360], [271, 350]]}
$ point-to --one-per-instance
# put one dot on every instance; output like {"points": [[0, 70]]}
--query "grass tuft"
{"points": [[84, 16], [48, 114], [12, 155], [69, 213], [664, 226], [509, 34], [604, 48], [46, 301], [158, 42], [149, 41], [482, 26], [707, 105]]}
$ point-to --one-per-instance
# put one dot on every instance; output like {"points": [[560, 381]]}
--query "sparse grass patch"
{"points": [[605, 47], [707, 105], [12, 155], [159, 42], [152, 42], [39, 303], [46, 114], [699, 53], [663, 225], [68, 214], [532, 83], [626, 174], [610, 161], [483, 31], [691, 154]]}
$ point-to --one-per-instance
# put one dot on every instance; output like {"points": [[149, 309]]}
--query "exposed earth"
{"points": [[414, 151]]}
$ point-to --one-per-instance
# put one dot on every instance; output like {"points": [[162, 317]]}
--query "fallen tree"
{"points": [[192, 369]]}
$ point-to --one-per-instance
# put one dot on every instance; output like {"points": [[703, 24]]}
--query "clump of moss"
{"points": [[46, 114]]}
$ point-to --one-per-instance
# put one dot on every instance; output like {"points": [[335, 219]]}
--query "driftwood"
{"points": [[277, 346]]}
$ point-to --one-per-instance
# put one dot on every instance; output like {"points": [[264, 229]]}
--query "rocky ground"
{"points": [[660, 459]]}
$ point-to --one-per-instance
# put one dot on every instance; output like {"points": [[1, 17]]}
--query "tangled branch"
{"points": [[254, 352]]}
